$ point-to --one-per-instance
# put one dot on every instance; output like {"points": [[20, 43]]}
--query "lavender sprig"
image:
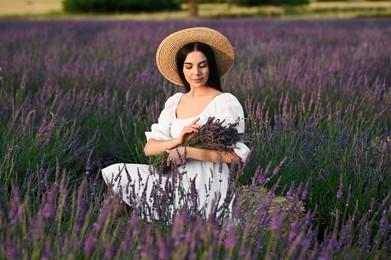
{"points": [[213, 135]]}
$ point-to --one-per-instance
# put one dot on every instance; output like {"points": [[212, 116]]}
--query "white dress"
{"points": [[134, 182]]}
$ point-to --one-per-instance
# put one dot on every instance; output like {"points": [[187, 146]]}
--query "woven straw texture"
{"points": [[168, 48], [250, 200]]}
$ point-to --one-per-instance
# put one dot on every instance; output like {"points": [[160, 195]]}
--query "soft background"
{"points": [[77, 95]]}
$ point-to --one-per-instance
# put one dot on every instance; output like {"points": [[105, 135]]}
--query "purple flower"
{"points": [[339, 192], [276, 223], [7, 156], [47, 210], [277, 169], [10, 247], [229, 242], [384, 223], [90, 243]]}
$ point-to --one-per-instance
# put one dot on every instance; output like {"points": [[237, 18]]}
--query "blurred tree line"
{"points": [[105, 6], [257, 2], [269, 2]]}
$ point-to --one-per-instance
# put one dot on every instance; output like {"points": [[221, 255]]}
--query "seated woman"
{"points": [[194, 58]]}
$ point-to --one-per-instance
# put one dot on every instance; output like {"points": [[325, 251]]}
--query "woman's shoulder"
{"points": [[173, 100], [176, 96], [228, 99], [225, 104]]}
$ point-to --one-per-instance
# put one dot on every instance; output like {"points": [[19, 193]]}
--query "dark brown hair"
{"points": [[214, 77]]}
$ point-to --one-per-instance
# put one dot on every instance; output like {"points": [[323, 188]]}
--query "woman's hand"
{"points": [[180, 155], [188, 131], [176, 156], [155, 147]]}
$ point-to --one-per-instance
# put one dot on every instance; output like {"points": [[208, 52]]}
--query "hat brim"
{"points": [[168, 48]]}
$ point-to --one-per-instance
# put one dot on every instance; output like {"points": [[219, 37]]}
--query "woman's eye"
{"points": [[187, 67]]}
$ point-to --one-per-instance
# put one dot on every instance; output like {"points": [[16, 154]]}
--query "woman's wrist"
{"points": [[174, 143], [189, 152]]}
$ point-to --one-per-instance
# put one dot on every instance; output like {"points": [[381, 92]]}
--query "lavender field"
{"points": [[76, 96]]}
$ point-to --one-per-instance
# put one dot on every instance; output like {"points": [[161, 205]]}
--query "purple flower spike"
{"points": [[339, 192], [90, 242]]}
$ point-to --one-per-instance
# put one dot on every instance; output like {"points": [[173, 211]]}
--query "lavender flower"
{"points": [[339, 192], [322, 100], [90, 243], [212, 135]]}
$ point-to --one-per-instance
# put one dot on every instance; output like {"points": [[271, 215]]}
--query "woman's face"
{"points": [[195, 69]]}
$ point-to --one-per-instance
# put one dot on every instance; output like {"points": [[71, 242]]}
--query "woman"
{"points": [[194, 58]]}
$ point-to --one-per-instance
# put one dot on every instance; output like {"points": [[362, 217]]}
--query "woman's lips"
{"points": [[197, 80]]}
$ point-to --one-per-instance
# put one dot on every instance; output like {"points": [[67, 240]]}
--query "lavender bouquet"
{"points": [[212, 135]]}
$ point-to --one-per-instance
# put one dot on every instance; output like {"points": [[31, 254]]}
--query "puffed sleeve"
{"points": [[227, 107], [161, 129]]}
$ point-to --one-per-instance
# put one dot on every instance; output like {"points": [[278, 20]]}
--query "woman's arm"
{"points": [[178, 154], [155, 147]]}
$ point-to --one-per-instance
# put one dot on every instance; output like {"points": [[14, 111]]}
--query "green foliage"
{"points": [[103, 6], [315, 95], [320, 152], [211, 1], [270, 2]]}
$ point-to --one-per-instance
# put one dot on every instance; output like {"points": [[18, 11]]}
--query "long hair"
{"points": [[214, 77]]}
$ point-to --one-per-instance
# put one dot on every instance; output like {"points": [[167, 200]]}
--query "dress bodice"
{"points": [[224, 106]]}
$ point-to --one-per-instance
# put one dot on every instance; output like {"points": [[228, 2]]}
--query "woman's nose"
{"points": [[196, 71]]}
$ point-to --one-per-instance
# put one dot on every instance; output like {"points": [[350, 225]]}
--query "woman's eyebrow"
{"points": [[198, 63]]}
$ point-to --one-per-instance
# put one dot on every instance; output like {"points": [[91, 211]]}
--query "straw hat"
{"points": [[168, 48]]}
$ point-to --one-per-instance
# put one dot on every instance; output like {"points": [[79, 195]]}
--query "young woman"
{"points": [[194, 58]]}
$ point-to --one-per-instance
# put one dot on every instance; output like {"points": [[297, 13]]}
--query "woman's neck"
{"points": [[201, 91]]}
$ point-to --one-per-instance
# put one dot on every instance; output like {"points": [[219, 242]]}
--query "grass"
{"points": [[52, 9], [76, 96]]}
